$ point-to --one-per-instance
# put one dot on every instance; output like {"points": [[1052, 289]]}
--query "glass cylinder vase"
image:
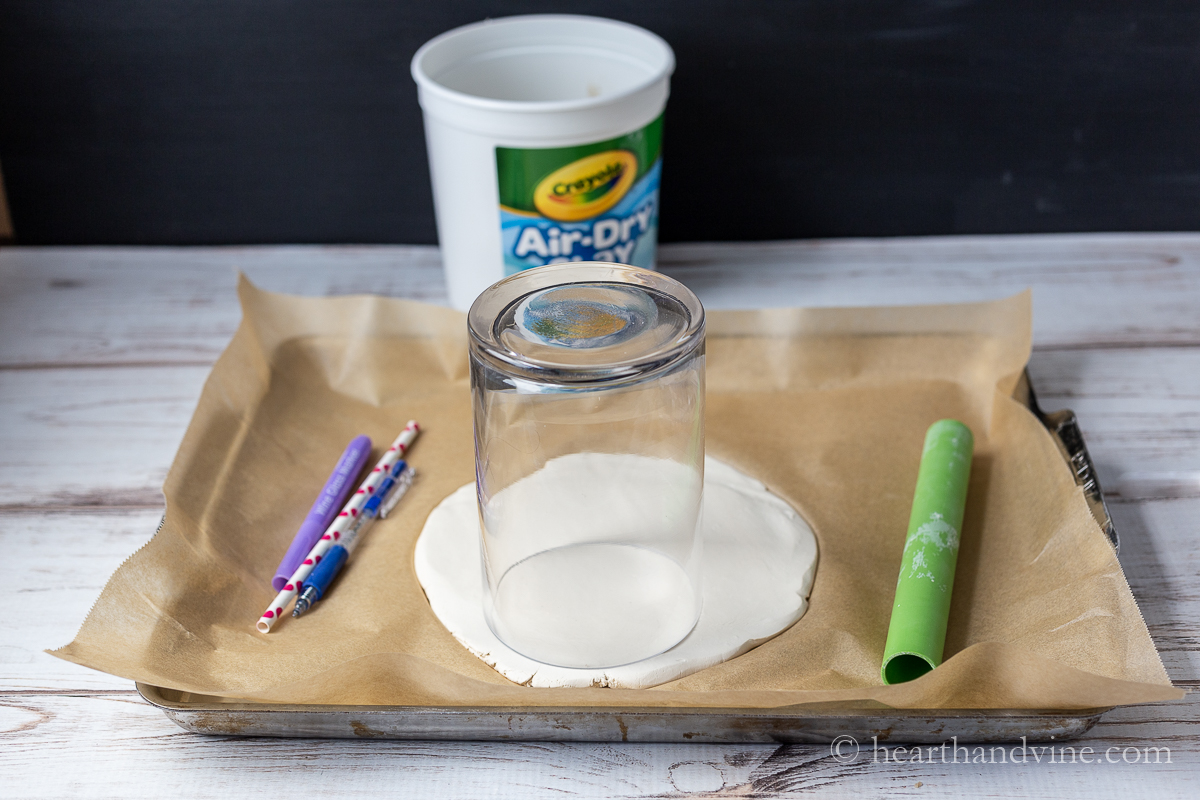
{"points": [[588, 391]]}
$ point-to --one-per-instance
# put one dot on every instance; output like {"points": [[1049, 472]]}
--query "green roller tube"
{"points": [[917, 632]]}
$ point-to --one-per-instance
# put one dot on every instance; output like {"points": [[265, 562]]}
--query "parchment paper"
{"points": [[827, 407]]}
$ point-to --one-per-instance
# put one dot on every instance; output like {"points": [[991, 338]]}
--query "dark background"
{"points": [[242, 121]]}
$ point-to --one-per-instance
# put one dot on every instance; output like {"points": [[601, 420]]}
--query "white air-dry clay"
{"points": [[759, 559]]}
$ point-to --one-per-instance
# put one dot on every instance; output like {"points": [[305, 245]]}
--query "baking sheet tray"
{"points": [[801, 724]]}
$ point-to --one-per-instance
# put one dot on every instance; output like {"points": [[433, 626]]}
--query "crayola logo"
{"points": [[586, 188]]}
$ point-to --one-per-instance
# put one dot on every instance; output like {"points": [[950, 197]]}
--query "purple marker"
{"points": [[329, 502]]}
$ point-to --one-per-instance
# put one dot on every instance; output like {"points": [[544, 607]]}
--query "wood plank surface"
{"points": [[1091, 290], [136, 754], [1160, 555], [103, 352], [66, 557], [97, 305], [93, 435], [1139, 409], [155, 305], [119, 425]]}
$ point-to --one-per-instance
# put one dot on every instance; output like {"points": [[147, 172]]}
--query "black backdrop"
{"points": [[167, 121]]}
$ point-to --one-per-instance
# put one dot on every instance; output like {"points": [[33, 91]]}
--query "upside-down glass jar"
{"points": [[588, 389]]}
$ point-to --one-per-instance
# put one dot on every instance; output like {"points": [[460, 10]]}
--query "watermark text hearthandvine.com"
{"points": [[846, 749]]}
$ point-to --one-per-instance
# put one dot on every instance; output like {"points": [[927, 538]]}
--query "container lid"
{"points": [[585, 322]]}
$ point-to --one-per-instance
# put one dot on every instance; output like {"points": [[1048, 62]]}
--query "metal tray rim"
{"points": [[153, 695], [866, 727]]}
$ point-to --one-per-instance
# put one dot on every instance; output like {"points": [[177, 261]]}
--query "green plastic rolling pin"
{"points": [[917, 633]]}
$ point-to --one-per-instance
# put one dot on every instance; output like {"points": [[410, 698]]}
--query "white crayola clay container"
{"points": [[545, 144]]}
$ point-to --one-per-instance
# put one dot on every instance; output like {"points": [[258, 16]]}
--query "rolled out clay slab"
{"points": [[758, 561]]}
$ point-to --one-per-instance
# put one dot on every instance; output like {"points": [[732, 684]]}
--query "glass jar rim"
{"points": [[488, 309]]}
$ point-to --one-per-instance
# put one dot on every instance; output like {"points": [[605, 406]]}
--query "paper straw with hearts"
{"points": [[341, 523]]}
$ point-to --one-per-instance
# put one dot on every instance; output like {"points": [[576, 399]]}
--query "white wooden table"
{"points": [[102, 355]]}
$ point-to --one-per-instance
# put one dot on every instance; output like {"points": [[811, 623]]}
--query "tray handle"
{"points": [[1064, 429]]}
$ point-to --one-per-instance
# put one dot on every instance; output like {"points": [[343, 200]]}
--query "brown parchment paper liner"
{"points": [[828, 407]]}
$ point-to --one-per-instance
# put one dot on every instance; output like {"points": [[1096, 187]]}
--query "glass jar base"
{"points": [[594, 605]]}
